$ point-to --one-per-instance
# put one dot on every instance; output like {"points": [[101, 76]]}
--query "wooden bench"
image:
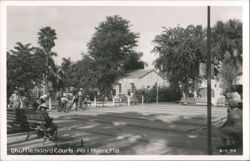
{"points": [[11, 117], [36, 122], [117, 100], [86, 103], [16, 121], [132, 100], [100, 103]]}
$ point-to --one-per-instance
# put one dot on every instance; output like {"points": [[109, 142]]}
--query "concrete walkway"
{"points": [[153, 129]]}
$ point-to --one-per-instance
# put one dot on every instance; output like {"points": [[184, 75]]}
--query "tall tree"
{"points": [[227, 49], [109, 48], [180, 50], [46, 40]]}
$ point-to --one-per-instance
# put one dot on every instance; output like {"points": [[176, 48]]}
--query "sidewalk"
{"points": [[153, 129]]}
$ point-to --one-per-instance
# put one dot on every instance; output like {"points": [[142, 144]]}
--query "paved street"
{"points": [[157, 129]]}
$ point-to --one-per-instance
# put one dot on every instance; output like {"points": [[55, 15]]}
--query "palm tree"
{"points": [[22, 49], [46, 40]]}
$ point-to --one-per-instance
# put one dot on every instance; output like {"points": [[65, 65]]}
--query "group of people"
{"points": [[232, 128], [77, 102], [18, 103]]}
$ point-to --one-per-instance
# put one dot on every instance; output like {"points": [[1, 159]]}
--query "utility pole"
{"points": [[157, 93], [209, 142]]}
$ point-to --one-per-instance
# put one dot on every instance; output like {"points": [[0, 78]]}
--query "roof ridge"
{"points": [[138, 73]]}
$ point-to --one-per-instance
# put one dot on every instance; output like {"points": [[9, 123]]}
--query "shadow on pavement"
{"points": [[128, 133]]}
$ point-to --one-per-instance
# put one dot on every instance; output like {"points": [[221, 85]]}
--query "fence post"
{"points": [[50, 103], [95, 101], [142, 99], [128, 101]]}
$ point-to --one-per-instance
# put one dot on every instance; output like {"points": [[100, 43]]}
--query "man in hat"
{"points": [[49, 125], [44, 99]]}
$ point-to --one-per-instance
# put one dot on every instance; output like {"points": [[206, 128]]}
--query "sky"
{"points": [[75, 25]]}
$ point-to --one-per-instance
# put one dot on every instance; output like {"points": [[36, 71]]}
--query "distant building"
{"points": [[142, 78], [217, 97]]}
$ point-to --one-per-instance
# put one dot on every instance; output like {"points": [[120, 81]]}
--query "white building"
{"points": [[142, 78], [216, 92]]}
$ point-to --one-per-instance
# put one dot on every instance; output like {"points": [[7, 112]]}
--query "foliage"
{"points": [[108, 50], [227, 41], [24, 67], [64, 73], [80, 73], [46, 39], [180, 50], [227, 48], [133, 62], [28, 66], [165, 94], [228, 75]]}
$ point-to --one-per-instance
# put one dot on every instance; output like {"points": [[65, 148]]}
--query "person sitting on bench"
{"points": [[232, 128], [50, 125]]}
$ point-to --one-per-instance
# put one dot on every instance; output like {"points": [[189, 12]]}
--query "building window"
{"points": [[120, 88], [132, 87]]}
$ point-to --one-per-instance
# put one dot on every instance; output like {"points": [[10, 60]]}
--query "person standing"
{"points": [[15, 100], [64, 101], [80, 98], [59, 95], [75, 100]]}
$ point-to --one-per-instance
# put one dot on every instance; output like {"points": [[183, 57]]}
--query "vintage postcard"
{"points": [[124, 80]]}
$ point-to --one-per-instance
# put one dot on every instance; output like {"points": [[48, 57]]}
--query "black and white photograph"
{"points": [[124, 80]]}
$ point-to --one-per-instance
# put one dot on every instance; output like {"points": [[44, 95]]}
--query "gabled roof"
{"points": [[138, 74]]}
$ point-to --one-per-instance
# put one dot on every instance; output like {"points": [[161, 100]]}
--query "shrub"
{"points": [[165, 94]]}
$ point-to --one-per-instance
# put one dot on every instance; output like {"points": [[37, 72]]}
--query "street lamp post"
{"points": [[47, 72], [209, 143]]}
